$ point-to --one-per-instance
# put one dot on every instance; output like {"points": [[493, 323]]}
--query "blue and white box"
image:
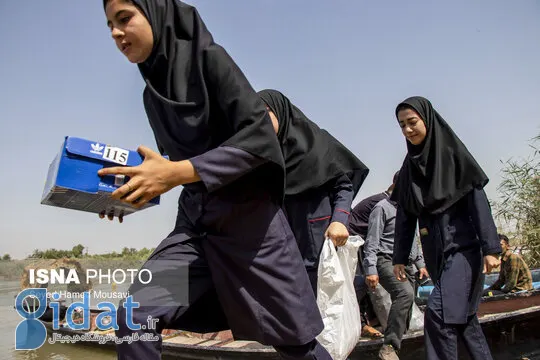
{"points": [[73, 181]]}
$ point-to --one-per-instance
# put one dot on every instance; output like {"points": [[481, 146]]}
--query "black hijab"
{"points": [[312, 156], [438, 172], [196, 97]]}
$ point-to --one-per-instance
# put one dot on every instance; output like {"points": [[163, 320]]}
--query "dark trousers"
{"points": [[441, 340], [360, 286], [361, 290], [242, 275], [202, 312], [402, 295]]}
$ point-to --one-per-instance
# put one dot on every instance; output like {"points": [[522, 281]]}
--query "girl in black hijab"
{"points": [[317, 205], [231, 261], [441, 186]]}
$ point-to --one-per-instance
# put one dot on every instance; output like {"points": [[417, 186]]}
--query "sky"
{"points": [[346, 64]]}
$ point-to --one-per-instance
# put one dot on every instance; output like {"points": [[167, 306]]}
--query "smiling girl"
{"points": [[440, 185]]}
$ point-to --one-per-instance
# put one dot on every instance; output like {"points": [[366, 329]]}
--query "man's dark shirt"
{"points": [[359, 218]]}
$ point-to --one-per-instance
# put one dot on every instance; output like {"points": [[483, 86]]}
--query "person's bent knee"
{"points": [[404, 294], [409, 294]]}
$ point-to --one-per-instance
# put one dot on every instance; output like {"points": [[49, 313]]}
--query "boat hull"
{"points": [[498, 315]]}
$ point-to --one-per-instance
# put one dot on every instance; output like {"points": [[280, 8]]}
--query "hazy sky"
{"points": [[346, 64]]}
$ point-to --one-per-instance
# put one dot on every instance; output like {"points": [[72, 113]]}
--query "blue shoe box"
{"points": [[73, 181]]}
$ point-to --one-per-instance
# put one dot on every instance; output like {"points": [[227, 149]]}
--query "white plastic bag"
{"points": [[417, 319], [336, 298], [382, 302]]}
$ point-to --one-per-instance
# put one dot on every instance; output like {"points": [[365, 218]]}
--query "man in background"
{"points": [[514, 275], [358, 225]]}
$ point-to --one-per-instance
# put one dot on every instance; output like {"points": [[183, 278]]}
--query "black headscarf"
{"points": [[438, 172], [196, 97], [312, 156]]}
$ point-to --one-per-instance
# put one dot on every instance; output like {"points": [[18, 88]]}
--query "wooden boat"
{"points": [[499, 303], [502, 303], [509, 302], [499, 316]]}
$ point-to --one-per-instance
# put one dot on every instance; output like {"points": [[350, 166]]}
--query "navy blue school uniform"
{"points": [[440, 185], [322, 177], [310, 214], [231, 261]]}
